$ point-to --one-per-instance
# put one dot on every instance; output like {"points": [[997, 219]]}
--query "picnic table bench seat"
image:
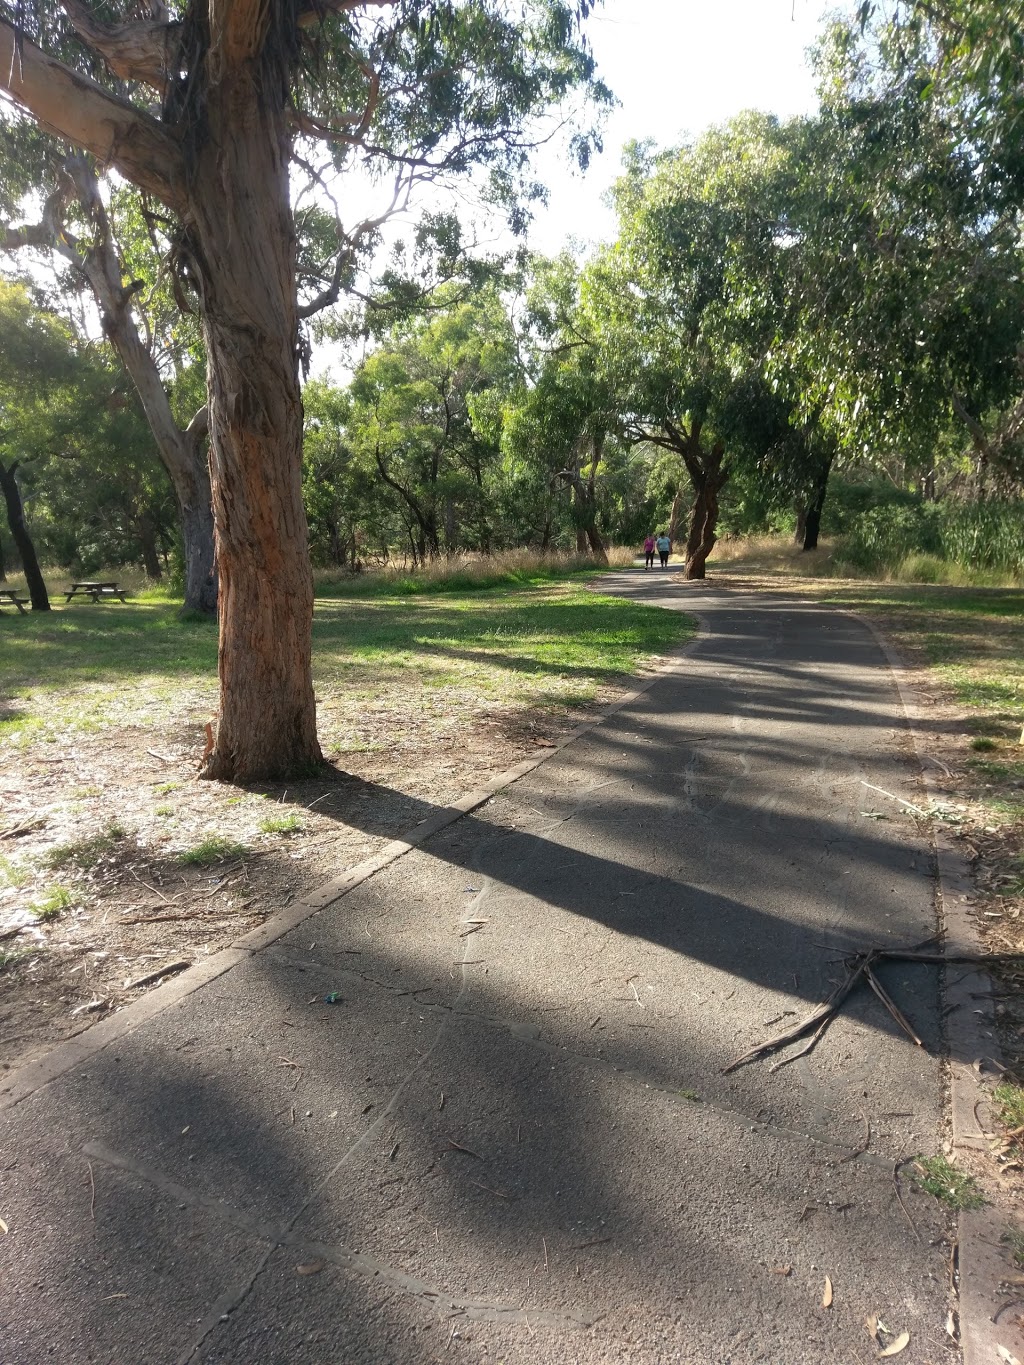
{"points": [[9, 597]]}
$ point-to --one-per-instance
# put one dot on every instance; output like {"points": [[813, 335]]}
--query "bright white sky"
{"points": [[678, 66]]}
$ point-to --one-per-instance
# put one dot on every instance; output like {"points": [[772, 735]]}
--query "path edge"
{"points": [[971, 1030], [20, 1084]]}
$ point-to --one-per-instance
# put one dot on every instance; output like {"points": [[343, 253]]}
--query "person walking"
{"points": [[664, 546], [649, 553]]}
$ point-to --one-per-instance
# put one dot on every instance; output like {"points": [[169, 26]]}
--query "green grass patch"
{"points": [[940, 1178], [1009, 1104], [1014, 1240], [983, 743], [282, 824], [12, 873], [87, 852], [214, 849], [521, 630], [53, 904]]}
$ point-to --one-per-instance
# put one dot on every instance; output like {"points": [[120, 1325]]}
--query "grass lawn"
{"points": [[377, 652], [973, 641]]}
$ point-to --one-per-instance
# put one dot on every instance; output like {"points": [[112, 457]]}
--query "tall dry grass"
{"points": [[468, 572]]}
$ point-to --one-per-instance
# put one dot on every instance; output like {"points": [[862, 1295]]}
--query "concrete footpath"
{"points": [[511, 1138]]}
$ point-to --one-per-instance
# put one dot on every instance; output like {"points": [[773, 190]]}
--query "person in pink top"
{"points": [[649, 553]]}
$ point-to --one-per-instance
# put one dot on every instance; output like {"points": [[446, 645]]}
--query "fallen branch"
{"points": [[150, 977], [861, 967], [819, 1017]]}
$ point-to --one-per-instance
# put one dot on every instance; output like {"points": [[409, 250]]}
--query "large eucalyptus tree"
{"points": [[209, 109]]}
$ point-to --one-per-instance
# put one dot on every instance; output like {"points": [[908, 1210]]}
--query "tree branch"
{"points": [[75, 108], [139, 51]]}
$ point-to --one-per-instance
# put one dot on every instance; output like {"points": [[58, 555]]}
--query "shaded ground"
{"points": [[965, 652], [512, 1138], [102, 733]]}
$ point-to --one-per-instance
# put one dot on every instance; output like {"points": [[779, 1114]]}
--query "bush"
{"points": [[881, 538], [984, 535]]}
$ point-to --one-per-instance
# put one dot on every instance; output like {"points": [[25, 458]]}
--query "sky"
{"points": [[678, 66]]}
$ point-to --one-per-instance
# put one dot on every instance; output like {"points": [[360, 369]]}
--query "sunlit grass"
{"points": [[378, 649]]}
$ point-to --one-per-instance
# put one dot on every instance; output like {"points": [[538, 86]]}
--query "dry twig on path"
{"points": [[861, 966]]}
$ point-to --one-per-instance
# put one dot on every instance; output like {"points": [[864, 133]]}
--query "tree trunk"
{"points": [[677, 517], [19, 532], [581, 541], [597, 546], [197, 533], [3, 564], [241, 239], [801, 525], [150, 554], [702, 535], [816, 505], [182, 453]]}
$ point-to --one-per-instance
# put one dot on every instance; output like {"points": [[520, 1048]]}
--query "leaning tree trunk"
{"points": [[242, 240], [182, 453], [19, 532], [195, 508]]}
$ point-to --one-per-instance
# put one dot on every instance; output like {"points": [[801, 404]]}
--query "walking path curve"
{"points": [[511, 1139]]}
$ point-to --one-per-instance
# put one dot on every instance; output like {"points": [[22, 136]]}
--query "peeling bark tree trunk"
{"points": [[708, 471], [241, 238], [708, 474], [19, 532]]}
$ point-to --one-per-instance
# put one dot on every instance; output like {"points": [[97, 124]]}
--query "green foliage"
{"points": [[1009, 1100], [87, 468], [984, 535], [956, 1189], [883, 537], [282, 824], [53, 904]]}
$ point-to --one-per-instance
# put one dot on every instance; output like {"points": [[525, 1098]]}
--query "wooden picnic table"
{"points": [[10, 596], [95, 591]]}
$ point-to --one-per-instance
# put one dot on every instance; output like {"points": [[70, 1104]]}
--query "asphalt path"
{"points": [[512, 1138]]}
